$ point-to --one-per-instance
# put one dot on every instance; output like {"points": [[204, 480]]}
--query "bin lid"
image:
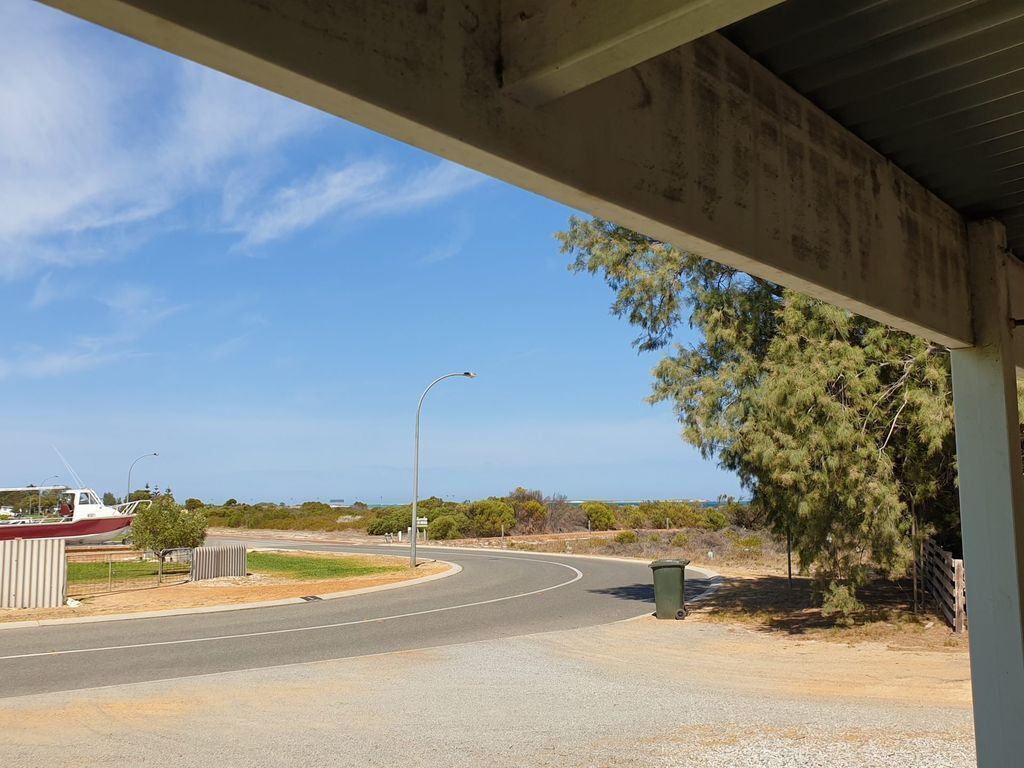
{"points": [[670, 563]]}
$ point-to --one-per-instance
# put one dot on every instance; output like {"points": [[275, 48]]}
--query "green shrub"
{"points": [[632, 518], [600, 515], [627, 537], [531, 515], [448, 526], [745, 515], [390, 520], [838, 599], [714, 520], [489, 517], [669, 514], [680, 540], [654, 538], [748, 545]]}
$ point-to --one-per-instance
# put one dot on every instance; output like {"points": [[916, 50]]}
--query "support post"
{"points": [[789, 558], [992, 502]]}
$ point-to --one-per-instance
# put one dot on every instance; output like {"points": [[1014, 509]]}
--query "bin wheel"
{"points": [[681, 613]]}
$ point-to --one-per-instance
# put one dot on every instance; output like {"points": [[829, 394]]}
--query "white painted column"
{"points": [[992, 503]]}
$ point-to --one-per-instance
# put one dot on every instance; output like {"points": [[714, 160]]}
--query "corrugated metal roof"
{"points": [[935, 85]]}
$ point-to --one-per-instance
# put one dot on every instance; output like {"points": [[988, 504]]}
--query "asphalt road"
{"points": [[497, 594]]}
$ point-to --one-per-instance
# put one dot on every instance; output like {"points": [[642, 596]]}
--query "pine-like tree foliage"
{"points": [[841, 427]]}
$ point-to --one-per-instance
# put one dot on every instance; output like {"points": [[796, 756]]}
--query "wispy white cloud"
{"points": [[100, 143], [423, 188], [132, 310], [87, 150], [300, 206], [37, 363], [49, 291], [452, 246], [354, 192]]}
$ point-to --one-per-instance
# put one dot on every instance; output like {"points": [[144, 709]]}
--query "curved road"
{"points": [[497, 594]]}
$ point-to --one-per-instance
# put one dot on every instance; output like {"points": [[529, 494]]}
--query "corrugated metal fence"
{"points": [[212, 562], [32, 573]]}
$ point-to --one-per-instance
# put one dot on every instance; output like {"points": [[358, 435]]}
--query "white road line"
{"points": [[577, 577]]}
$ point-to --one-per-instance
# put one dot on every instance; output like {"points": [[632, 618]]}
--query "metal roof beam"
{"points": [[553, 47]]}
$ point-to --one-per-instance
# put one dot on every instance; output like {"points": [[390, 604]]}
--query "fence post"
{"points": [[110, 573], [958, 597]]}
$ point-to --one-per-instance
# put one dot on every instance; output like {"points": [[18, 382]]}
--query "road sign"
{"points": [[421, 522]]}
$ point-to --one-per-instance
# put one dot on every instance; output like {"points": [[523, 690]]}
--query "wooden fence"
{"points": [[32, 573], [213, 562], [942, 577]]}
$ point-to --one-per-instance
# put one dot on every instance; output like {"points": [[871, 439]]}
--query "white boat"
{"points": [[80, 518]]}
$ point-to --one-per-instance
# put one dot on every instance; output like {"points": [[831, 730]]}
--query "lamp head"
{"points": [[469, 375]]}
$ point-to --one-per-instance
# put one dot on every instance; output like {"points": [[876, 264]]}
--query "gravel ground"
{"points": [[640, 693]]}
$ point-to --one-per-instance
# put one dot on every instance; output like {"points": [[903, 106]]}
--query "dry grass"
{"points": [[767, 602]]}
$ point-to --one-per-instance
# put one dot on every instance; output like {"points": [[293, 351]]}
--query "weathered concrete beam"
{"points": [[700, 147], [554, 47]]}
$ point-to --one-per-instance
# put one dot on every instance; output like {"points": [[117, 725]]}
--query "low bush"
{"points": [[838, 599], [714, 520], [599, 515], [451, 526], [751, 544], [631, 517], [627, 537], [489, 517]]}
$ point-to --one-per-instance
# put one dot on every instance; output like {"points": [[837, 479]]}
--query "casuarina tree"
{"points": [[840, 427]]}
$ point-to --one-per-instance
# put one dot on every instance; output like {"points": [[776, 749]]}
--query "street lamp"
{"points": [[416, 462], [143, 456], [51, 477]]}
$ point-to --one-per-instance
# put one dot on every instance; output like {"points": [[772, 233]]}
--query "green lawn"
{"points": [[120, 570], [314, 567]]}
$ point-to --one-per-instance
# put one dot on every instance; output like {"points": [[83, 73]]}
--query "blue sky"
{"points": [[260, 291]]}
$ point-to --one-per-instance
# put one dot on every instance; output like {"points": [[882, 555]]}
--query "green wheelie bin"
{"points": [[669, 585]]}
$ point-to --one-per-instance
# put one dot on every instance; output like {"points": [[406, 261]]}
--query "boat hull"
{"points": [[89, 531]]}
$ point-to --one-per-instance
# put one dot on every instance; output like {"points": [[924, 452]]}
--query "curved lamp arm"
{"points": [[143, 456], [416, 461]]}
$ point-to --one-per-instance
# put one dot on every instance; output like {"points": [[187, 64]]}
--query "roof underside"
{"points": [[935, 85]]}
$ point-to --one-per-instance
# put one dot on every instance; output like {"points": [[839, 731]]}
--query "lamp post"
{"points": [[143, 456], [416, 462], [51, 477]]}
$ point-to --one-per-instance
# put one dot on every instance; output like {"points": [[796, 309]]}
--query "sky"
{"points": [[260, 292]]}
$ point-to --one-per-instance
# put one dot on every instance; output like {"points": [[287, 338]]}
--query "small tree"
{"points": [[600, 515], [193, 504], [165, 525], [109, 499]]}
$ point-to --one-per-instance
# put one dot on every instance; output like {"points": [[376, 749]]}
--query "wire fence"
{"points": [[97, 573]]}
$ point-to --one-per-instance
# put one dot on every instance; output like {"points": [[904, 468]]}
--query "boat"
{"points": [[79, 518]]}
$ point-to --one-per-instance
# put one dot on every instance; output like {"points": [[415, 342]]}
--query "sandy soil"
{"points": [[752, 661], [253, 588], [637, 694]]}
